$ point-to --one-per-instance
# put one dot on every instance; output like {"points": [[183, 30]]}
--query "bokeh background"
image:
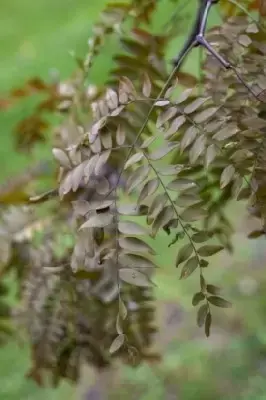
{"points": [[36, 39]]}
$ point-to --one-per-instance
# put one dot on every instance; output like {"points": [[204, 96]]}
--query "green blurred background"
{"points": [[36, 38]]}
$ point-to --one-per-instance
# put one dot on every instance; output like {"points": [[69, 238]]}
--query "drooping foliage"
{"points": [[153, 150]]}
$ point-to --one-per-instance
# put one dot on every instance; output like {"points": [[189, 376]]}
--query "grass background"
{"points": [[35, 40]]}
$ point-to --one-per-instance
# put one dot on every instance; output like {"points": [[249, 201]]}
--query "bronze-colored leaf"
{"points": [[184, 96], [193, 213], [137, 262], [197, 298], [162, 219], [228, 131], [117, 111], [131, 228], [146, 89], [122, 309], [162, 103], [188, 137], [210, 154], [120, 135], [61, 156], [166, 116], [106, 139], [158, 204], [181, 184], [219, 302], [135, 158], [227, 175], [89, 167], [134, 277], [112, 99], [98, 221], [203, 116], [175, 125], [77, 176], [197, 148], [186, 200], [101, 162], [163, 151], [208, 323], [256, 234], [184, 253], [135, 245], [149, 189], [202, 314], [190, 266], [118, 325], [96, 128], [128, 209], [137, 177], [195, 104], [117, 343], [209, 250], [212, 289], [200, 237]]}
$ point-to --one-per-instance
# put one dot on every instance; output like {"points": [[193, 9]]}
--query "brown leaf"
{"points": [[135, 158], [112, 99], [131, 228], [209, 250], [208, 323], [146, 88], [227, 175], [120, 135], [189, 137], [163, 151], [181, 184], [197, 148], [158, 204], [137, 177], [200, 237], [212, 289], [166, 116], [122, 309], [197, 298], [134, 277], [135, 245], [189, 267], [149, 189], [202, 314], [175, 125], [184, 96], [210, 154], [162, 219], [193, 213], [61, 156], [117, 343], [203, 116], [219, 302], [162, 103], [101, 162], [184, 253], [98, 221], [195, 104], [228, 131]]}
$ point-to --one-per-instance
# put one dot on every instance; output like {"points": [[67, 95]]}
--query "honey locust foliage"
{"points": [[148, 152]]}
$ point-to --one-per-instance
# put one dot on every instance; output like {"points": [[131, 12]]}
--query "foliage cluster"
{"points": [[147, 152]]}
